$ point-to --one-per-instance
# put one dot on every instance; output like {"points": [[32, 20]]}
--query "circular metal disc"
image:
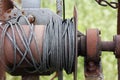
{"points": [[92, 38]]}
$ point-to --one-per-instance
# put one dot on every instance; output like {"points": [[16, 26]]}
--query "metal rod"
{"points": [[118, 68], [59, 7], [118, 21], [64, 9], [107, 46], [59, 10], [118, 32], [75, 14]]}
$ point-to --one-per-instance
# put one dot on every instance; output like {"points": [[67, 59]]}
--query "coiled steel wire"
{"points": [[58, 45]]}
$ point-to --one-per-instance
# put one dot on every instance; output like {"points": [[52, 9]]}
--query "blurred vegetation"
{"points": [[91, 15]]}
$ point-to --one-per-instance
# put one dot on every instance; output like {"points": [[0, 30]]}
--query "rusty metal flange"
{"points": [[93, 43], [92, 59]]}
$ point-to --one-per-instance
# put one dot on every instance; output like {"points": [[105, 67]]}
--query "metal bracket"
{"points": [[93, 70]]}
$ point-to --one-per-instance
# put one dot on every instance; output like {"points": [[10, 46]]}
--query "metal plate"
{"points": [[76, 42], [92, 41]]}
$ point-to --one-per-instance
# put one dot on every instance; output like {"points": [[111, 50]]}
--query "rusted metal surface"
{"points": [[118, 68], [45, 14], [30, 77], [2, 71], [14, 13], [92, 38], [92, 45], [118, 32], [5, 6], [9, 57], [82, 46], [39, 29], [108, 46], [117, 46], [93, 70], [118, 18], [75, 14]]}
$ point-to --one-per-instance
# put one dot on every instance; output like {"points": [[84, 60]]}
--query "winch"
{"points": [[36, 41]]}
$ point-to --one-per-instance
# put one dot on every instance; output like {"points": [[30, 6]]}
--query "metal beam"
{"points": [[59, 10], [118, 33], [31, 3]]}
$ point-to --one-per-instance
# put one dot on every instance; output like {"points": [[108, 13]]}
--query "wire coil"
{"points": [[59, 49], [58, 45]]}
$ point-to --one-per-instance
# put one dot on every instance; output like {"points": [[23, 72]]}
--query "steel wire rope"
{"points": [[14, 50], [2, 41], [25, 53], [27, 46], [16, 45], [56, 53], [13, 34], [31, 31], [34, 37], [58, 45]]}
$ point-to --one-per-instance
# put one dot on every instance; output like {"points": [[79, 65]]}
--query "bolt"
{"points": [[14, 14], [23, 12], [92, 66], [31, 18], [9, 16]]}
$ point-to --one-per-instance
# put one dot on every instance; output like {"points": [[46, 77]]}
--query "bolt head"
{"points": [[31, 18]]}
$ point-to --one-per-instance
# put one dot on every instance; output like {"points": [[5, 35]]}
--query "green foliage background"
{"points": [[91, 15]]}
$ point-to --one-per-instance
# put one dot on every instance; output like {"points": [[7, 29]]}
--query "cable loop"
{"points": [[58, 45], [114, 5]]}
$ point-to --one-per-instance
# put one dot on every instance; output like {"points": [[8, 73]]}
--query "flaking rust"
{"points": [[5, 6]]}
